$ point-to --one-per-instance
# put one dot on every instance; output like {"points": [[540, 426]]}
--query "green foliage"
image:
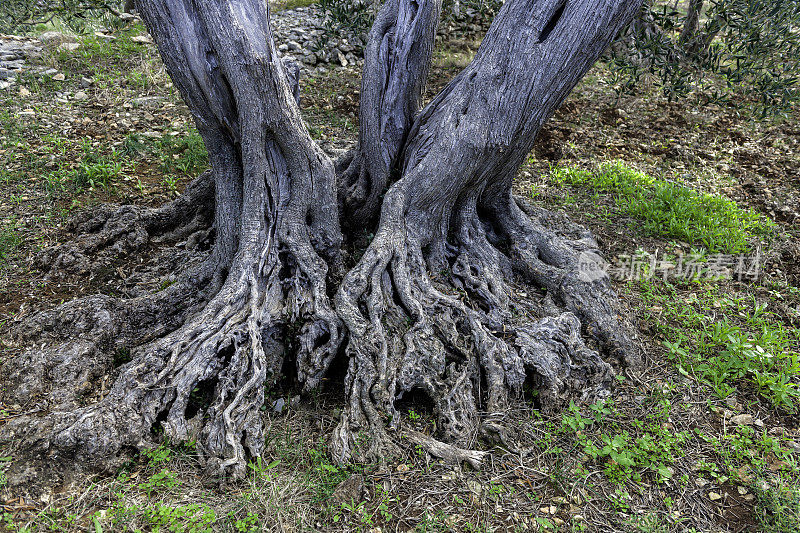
{"points": [[669, 209], [484, 11], [183, 154], [743, 51], [20, 16], [9, 242], [349, 18], [625, 455], [739, 343], [778, 508]]}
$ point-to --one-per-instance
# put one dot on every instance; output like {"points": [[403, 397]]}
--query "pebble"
{"points": [[69, 47], [80, 96], [742, 420], [59, 77]]}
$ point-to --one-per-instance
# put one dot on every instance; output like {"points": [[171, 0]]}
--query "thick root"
{"points": [[553, 253], [107, 232], [204, 381], [67, 355], [467, 340]]}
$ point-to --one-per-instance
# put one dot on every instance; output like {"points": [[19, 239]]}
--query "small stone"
{"points": [[142, 39], [742, 420], [86, 82], [714, 496], [55, 37], [349, 490], [68, 47], [277, 405], [148, 101], [23, 92], [342, 59], [742, 490], [81, 96], [59, 77], [4, 84], [758, 423]]}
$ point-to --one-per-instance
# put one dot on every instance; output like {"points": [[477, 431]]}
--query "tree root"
{"points": [[204, 381], [467, 340], [107, 232]]}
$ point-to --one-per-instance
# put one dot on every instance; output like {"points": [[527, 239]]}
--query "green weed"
{"points": [[726, 341], [669, 209]]}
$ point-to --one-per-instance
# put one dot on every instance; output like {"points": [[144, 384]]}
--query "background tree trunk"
{"points": [[689, 31]]}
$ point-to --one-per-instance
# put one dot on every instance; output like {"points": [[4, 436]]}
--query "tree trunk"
{"points": [[464, 292], [689, 31]]}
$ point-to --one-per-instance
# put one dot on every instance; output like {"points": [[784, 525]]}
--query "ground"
{"points": [[705, 436]]}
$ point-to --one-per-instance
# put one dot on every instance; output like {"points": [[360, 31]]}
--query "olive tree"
{"points": [[463, 292]]}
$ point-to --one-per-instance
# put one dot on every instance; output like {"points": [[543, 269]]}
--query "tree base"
{"points": [[471, 334]]}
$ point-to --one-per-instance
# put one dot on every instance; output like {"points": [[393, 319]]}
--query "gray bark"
{"points": [[396, 62], [436, 303], [689, 31], [412, 326]]}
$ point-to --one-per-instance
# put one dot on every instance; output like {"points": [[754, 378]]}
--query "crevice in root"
{"points": [[107, 232], [469, 338]]}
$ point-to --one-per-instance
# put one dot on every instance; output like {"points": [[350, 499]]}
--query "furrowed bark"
{"points": [[429, 306], [396, 62]]}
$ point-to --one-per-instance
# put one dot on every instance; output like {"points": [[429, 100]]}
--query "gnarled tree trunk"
{"points": [[464, 293]]}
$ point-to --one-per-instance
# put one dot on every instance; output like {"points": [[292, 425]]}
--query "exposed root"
{"points": [[555, 254], [106, 232], [204, 381], [466, 339], [69, 352], [447, 452]]}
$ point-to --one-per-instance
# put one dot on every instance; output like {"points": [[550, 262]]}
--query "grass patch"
{"points": [[727, 342], [284, 5], [9, 243], [669, 209]]}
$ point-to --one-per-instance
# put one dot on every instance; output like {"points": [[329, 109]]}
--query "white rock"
{"points": [[80, 96], [69, 47], [55, 37], [59, 77], [742, 420]]}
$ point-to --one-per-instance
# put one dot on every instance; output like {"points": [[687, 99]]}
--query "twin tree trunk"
{"points": [[464, 293]]}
